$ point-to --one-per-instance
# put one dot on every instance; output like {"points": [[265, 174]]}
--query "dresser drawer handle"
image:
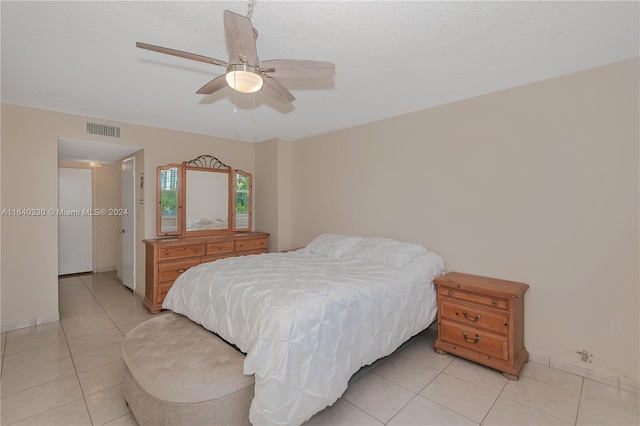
{"points": [[449, 292], [464, 313], [181, 270], [477, 339], [494, 303]]}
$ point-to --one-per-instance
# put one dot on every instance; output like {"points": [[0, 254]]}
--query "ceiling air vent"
{"points": [[103, 130]]}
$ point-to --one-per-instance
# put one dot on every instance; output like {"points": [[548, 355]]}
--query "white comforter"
{"points": [[307, 322]]}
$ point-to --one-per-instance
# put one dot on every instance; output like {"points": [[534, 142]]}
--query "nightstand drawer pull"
{"points": [[181, 270], [494, 303], [470, 340], [464, 313], [450, 293]]}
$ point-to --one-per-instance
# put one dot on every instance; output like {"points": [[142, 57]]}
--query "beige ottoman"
{"points": [[178, 373]]}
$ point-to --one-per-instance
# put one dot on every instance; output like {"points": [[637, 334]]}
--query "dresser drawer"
{"points": [[221, 247], [180, 251], [169, 271], [255, 244], [494, 302], [475, 339], [475, 316]]}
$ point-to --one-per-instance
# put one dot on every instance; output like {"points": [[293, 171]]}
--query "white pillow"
{"points": [[385, 251], [332, 245]]}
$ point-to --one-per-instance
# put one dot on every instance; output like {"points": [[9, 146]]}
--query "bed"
{"points": [[307, 320]]}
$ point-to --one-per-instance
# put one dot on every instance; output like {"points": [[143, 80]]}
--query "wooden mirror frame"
{"points": [[211, 164], [159, 209], [208, 164]]}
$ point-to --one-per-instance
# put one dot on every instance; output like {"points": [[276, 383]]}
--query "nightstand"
{"points": [[482, 319]]}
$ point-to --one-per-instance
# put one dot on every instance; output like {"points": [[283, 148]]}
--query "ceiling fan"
{"points": [[245, 73]]}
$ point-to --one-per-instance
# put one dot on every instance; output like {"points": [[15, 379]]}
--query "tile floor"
{"points": [[69, 373]]}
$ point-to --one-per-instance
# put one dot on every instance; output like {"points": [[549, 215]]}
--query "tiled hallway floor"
{"points": [[69, 373]]}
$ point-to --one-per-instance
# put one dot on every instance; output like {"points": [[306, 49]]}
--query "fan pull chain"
{"points": [[235, 93], [253, 115], [250, 8]]}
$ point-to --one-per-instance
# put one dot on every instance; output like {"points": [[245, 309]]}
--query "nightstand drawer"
{"points": [[474, 339], [494, 302], [475, 316]]}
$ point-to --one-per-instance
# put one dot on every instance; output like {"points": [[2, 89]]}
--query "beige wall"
{"points": [[105, 228], [273, 191], [265, 199], [537, 184], [29, 144]]}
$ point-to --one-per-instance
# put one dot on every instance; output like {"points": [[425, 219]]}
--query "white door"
{"points": [[75, 233], [128, 223]]}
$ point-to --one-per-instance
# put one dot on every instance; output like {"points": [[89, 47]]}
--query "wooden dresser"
{"points": [[482, 319], [167, 258]]}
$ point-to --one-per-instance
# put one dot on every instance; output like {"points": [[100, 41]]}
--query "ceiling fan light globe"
{"points": [[242, 80]]}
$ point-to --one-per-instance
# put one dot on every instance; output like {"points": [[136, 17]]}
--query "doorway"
{"points": [[107, 197], [75, 233]]}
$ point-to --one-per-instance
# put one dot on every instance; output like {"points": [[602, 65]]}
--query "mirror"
{"points": [[242, 201], [203, 197], [167, 217], [206, 206]]}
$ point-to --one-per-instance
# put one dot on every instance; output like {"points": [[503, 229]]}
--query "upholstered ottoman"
{"points": [[178, 373]]}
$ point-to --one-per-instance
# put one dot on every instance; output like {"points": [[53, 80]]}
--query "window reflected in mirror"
{"points": [[168, 177], [242, 201]]}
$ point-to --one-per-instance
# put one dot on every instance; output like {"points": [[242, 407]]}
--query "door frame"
{"points": [[131, 214]]}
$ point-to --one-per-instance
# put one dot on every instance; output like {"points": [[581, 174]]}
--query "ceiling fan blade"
{"points": [[291, 68], [214, 85], [181, 54], [241, 40], [276, 90]]}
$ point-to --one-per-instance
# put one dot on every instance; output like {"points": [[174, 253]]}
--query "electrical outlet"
{"points": [[586, 356], [616, 327]]}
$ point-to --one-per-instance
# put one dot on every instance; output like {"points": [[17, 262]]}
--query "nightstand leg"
{"points": [[441, 352], [510, 376]]}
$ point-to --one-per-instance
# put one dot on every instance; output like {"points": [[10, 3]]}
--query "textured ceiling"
{"points": [[391, 57]]}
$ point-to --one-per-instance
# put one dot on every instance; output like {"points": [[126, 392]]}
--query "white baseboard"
{"points": [[539, 358], [48, 318], [17, 325], [589, 371], [30, 322], [629, 385], [106, 269]]}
